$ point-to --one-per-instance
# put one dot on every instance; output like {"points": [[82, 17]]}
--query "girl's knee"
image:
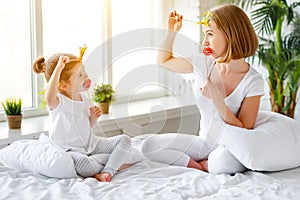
{"points": [[87, 167]]}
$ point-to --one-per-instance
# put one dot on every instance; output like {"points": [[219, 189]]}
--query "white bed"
{"points": [[149, 180]]}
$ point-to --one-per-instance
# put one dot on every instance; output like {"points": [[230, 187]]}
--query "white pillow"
{"points": [[273, 144], [39, 156]]}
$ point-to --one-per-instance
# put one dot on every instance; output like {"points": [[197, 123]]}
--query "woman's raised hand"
{"points": [[174, 21]]}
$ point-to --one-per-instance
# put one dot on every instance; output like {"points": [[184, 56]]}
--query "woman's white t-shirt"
{"points": [[252, 84], [69, 125]]}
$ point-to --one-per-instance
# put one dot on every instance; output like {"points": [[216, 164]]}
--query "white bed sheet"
{"points": [[149, 180]]}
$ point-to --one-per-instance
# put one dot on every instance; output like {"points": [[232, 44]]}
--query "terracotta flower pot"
{"points": [[104, 108], [14, 121]]}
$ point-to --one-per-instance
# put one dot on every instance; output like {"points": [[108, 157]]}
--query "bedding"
{"points": [[150, 180], [39, 156]]}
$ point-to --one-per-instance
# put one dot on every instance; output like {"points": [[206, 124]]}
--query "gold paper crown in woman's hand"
{"points": [[205, 19]]}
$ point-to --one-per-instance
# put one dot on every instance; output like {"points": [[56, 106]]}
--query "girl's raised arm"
{"points": [[53, 84]]}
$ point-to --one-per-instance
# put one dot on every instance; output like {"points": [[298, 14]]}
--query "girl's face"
{"points": [[214, 39], [78, 81]]}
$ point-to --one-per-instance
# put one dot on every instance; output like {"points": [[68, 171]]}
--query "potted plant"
{"points": [[104, 95], [13, 111], [277, 24]]}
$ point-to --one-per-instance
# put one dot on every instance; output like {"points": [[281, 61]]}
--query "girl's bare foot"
{"points": [[103, 177]]}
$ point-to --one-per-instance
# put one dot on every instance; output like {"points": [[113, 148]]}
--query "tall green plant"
{"points": [[278, 28]]}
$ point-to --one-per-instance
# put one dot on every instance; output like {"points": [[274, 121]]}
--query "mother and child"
{"points": [[232, 90]]}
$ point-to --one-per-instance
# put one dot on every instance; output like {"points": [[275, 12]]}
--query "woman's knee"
{"points": [[221, 161], [155, 143], [149, 146]]}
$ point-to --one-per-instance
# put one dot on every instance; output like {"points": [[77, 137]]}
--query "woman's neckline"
{"points": [[240, 83]]}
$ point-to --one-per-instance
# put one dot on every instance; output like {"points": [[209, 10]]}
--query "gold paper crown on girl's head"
{"points": [[206, 17], [82, 50]]}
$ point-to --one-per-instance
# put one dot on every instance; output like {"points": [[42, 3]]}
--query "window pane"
{"points": [[128, 16], [15, 51], [68, 24]]}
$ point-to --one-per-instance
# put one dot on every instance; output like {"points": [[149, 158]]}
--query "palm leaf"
{"points": [[295, 5], [263, 20]]}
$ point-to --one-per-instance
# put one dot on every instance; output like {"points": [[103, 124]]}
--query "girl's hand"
{"points": [[174, 21], [95, 113], [62, 61]]}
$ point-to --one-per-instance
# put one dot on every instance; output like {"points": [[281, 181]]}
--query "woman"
{"points": [[232, 90]]}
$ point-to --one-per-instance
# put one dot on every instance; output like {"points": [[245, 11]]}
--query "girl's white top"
{"points": [[69, 125], [252, 84]]}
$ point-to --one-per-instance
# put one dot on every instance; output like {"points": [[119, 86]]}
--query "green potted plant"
{"points": [[277, 24], [104, 95], [13, 111]]}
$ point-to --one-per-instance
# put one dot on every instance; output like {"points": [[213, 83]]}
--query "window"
{"points": [[15, 51], [37, 27], [68, 24], [132, 29]]}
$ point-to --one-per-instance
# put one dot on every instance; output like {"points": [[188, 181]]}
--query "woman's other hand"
{"points": [[209, 90]]}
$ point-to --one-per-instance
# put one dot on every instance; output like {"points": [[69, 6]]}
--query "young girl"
{"points": [[71, 118], [232, 90]]}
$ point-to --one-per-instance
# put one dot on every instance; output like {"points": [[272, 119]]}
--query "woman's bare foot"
{"points": [[194, 164], [204, 165], [103, 177], [201, 165]]}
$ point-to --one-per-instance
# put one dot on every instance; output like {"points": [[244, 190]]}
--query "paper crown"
{"points": [[206, 17], [81, 53]]}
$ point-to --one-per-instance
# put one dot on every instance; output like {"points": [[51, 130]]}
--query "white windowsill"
{"points": [[141, 112]]}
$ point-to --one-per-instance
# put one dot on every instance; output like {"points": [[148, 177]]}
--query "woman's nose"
{"points": [[204, 41]]}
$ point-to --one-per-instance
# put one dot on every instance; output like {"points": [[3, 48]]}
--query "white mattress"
{"points": [[149, 180]]}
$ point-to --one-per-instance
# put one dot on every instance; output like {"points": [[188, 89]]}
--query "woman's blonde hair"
{"points": [[238, 30], [40, 66]]}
